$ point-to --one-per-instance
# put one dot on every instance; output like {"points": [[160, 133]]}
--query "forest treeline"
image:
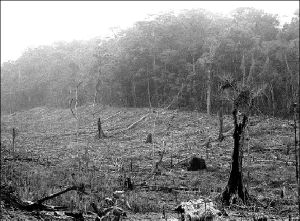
{"points": [[190, 55]]}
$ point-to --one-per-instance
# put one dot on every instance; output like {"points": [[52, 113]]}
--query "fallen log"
{"points": [[79, 188], [13, 200], [135, 123], [132, 125]]}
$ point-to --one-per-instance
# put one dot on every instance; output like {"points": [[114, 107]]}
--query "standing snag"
{"points": [[14, 134], [242, 98], [100, 131], [220, 114], [235, 183]]}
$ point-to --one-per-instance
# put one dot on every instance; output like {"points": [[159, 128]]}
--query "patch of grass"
{"points": [[257, 146], [144, 202]]}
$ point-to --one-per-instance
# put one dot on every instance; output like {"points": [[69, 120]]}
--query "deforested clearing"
{"points": [[182, 110], [49, 155]]}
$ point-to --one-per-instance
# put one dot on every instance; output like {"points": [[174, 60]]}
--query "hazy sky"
{"points": [[31, 23]]}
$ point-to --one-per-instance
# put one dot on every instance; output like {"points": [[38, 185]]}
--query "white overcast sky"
{"points": [[32, 23]]}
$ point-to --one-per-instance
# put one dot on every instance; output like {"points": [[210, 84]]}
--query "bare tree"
{"points": [[220, 114], [76, 103]]}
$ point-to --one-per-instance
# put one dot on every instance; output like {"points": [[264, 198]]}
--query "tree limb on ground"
{"points": [[132, 125], [79, 188], [15, 201], [27, 205], [143, 117], [135, 123]]}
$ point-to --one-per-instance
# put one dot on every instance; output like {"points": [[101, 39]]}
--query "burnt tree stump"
{"points": [[220, 113], [196, 163], [149, 138], [100, 131], [235, 182], [14, 134], [128, 184]]}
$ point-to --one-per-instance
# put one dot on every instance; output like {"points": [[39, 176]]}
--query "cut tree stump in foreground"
{"points": [[235, 182], [149, 138], [100, 131]]}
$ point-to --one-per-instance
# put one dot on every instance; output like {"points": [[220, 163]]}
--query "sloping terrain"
{"points": [[51, 153]]}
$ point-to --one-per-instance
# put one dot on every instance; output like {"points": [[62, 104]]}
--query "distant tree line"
{"points": [[190, 55]]}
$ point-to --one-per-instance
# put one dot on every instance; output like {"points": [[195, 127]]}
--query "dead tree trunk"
{"points": [[10, 102], [97, 92], [208, 103], [273, 100], [220, 113], [148, 89], [13, 141], [100, 131], [243, 69], [133, 93], [296, 158], [295, 138], [76, 103], [235, 182], [98, 87]]}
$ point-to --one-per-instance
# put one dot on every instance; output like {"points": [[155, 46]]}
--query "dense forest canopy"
{"points": [[193, 52]]}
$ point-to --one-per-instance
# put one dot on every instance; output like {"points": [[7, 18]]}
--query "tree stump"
{"points": [[13, 140], [221, 136], [128, 184], [149, 138], [196, 163], [100, 131]]}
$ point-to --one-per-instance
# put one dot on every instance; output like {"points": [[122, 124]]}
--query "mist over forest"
{"points": [[194, 52]]}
